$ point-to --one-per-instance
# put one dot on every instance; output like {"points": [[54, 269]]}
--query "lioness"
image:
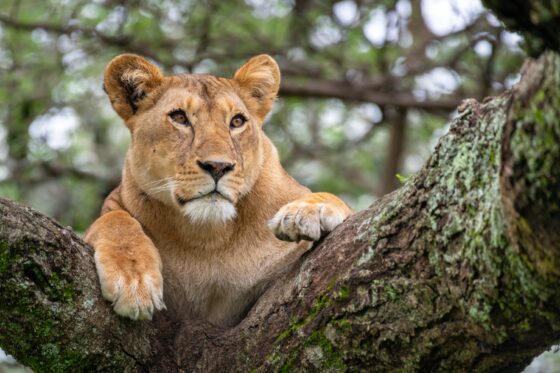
{"points": [[203, 200]]}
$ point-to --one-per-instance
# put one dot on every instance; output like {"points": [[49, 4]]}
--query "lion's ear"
{"points": [[260, 78], [128, 80]]}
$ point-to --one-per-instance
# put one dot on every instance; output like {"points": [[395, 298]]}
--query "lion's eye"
{"points": [[180, 117], [237, 121]]}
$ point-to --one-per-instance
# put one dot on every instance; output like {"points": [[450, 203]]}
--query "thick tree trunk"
{"points": [[457, 270]]}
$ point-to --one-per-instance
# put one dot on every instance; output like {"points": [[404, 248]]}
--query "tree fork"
{"points": [[456, 270]]}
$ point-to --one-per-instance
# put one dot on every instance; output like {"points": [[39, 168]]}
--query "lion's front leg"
{"points": [[128, 265], [309, 218]]}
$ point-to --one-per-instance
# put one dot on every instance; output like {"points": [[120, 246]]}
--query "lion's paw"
{"points": [[302, 220], [133, 285]]}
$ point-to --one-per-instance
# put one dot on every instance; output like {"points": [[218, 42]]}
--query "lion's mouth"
{"points": [[212, 196]]}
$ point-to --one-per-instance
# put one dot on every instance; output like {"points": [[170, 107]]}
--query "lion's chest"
{"points": [[219, 283]]}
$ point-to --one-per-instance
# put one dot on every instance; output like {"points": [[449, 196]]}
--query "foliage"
{"points": [[363, 66]]}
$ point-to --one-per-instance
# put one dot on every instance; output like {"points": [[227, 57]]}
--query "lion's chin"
{"points": [[212, 209]]}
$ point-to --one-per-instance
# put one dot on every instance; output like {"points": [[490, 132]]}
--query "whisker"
{"points": [[162, 185], [159, 181]]}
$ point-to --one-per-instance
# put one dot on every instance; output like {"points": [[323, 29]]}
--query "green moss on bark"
{"points": [[21, 315], [40, 301]]}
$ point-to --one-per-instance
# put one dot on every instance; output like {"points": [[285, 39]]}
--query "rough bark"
{"points": [[52, 317], [457, 270]]}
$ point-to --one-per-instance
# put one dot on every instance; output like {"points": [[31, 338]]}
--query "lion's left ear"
{"points": [[260, 79]]}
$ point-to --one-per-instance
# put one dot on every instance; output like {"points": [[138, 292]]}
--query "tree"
{"points": [[458, 269]]}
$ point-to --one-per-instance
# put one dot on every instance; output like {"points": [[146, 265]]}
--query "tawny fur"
{"points": [[211, 256]]}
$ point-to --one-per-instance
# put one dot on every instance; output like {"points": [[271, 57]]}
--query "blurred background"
{"points": [[368, 86]]}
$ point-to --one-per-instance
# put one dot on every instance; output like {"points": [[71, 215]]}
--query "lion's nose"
{"points": [[216, 169]]}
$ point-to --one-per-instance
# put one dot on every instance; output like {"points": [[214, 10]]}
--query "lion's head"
{"points": [[197, 142]]}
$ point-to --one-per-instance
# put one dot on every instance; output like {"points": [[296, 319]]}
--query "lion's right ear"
{"points": [[260, 78], [128, 80]]}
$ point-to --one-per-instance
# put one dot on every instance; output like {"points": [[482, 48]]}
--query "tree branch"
{"points": [[111, 40], [345, 91], [53, 315], [395, 150]]}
